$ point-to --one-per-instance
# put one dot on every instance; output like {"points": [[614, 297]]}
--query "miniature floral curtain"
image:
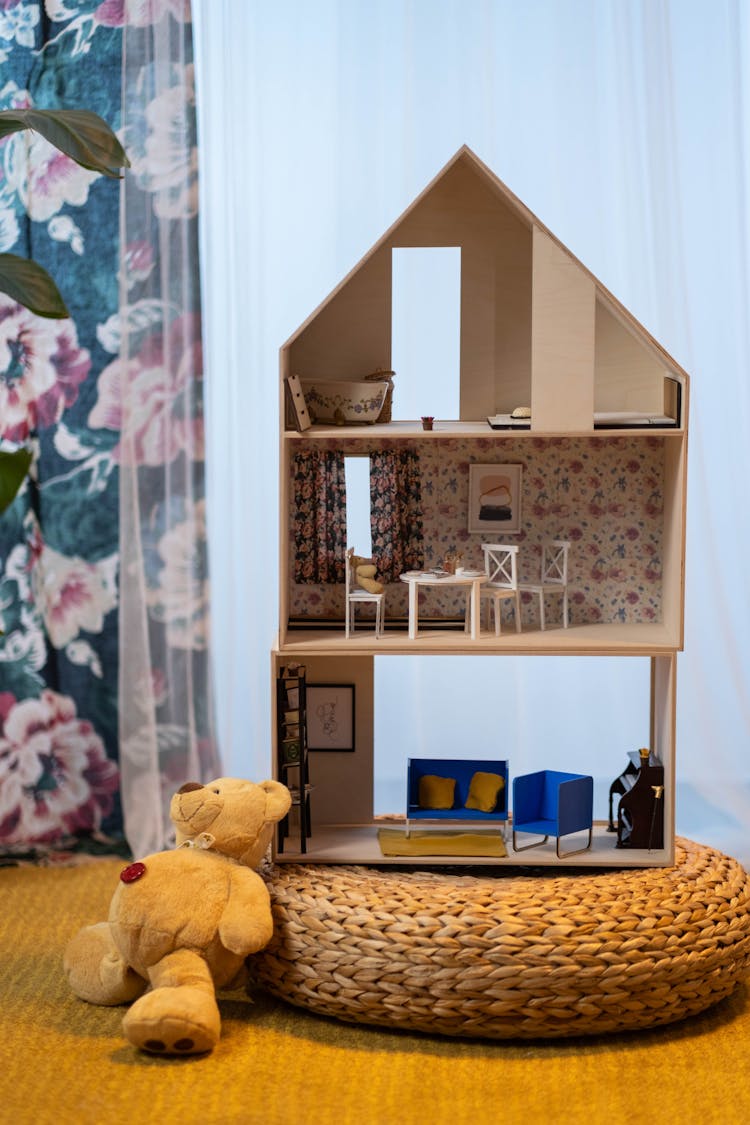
{"points": [[104, 700], [396, 512], [319, 481]]}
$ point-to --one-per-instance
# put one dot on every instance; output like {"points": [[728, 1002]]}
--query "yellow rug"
{"points": [[64, 1062], [394, 841]]}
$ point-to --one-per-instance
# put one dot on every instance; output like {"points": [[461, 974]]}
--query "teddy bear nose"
{"points": [[189, 786]]}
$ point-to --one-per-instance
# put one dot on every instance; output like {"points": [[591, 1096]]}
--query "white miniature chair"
{"points": [[355, 596], [553, 577], [501, 566]]}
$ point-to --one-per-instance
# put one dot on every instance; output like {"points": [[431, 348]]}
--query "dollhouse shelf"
{"points": [[452, 429], [577, 640], [537, 329], [358, 843]]}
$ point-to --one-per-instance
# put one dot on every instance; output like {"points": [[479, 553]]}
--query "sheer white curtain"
{"points": [[623, 124], [152, 392]]}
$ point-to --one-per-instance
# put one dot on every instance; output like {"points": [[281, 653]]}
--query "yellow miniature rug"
{"points": [[394, 841]]}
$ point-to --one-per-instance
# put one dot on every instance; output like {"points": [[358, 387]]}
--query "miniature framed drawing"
{"points": [[494, 499], [330, 717]]}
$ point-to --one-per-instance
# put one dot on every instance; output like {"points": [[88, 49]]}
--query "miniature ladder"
{"points": [[291, 725]]}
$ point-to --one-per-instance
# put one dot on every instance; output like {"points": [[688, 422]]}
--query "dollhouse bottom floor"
{"points": [[359, 844]]}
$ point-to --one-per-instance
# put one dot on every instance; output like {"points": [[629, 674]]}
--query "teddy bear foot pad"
{"points": [[195, 1032]]}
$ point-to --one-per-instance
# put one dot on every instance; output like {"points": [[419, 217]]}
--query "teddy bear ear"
{"points": [[278, 799]]}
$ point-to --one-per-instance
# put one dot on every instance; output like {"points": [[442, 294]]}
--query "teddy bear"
{"points": [[364, 574], [182, 921]]}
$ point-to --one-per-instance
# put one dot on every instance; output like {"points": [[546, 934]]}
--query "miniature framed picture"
{"points": [[494, 499], [330, 717], [291, 751]]}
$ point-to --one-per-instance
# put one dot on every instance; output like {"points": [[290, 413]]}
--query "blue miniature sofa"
{"points": [[439, 789], [551, 803]]}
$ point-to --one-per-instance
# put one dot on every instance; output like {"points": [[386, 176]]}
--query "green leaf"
{"points": [[13, 469], [80, 134], [29, 283]]}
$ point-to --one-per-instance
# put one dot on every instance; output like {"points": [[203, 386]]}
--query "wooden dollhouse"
{"points": [[597, 460]]}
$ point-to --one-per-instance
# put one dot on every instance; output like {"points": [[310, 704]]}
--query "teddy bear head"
{"points": [[233, 817]]}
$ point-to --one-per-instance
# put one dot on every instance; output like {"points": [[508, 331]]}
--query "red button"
{"points": [[133, 872]]}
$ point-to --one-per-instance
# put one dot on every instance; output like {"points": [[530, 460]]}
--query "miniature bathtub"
{"points": [[340, 403]]}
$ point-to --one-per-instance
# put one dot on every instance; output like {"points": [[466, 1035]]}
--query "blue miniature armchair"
{"points": [[550, 803]]}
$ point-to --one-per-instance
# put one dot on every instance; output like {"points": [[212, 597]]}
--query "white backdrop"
{"points": [[623, 125]]}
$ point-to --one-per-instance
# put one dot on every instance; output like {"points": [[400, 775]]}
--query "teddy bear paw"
{"points": [[95, 970], [174, 1021]]}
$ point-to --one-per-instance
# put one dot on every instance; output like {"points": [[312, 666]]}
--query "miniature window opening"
{"points": [[358, 530], [426, 330]]}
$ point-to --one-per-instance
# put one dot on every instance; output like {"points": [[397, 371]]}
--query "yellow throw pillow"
{"points": [[436, 792], [484, 790]]}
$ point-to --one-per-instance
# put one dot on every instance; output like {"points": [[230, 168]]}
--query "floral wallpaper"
{"points": [[603, 494], [63, 385]]}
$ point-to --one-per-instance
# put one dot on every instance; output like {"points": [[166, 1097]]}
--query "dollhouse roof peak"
{"points": [[466, 192]]}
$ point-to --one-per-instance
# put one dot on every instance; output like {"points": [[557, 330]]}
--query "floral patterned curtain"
{"points": [[104, 700], [396, 512], [319, 516]]}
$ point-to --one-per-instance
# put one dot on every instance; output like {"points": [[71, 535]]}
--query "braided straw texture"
{"points": [[509, 956]]}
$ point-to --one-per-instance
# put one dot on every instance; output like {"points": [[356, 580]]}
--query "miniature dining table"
{"points": [[417, 578]]}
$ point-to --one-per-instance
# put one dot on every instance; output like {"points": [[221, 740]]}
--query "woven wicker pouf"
{"points": [[509, 956]]}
